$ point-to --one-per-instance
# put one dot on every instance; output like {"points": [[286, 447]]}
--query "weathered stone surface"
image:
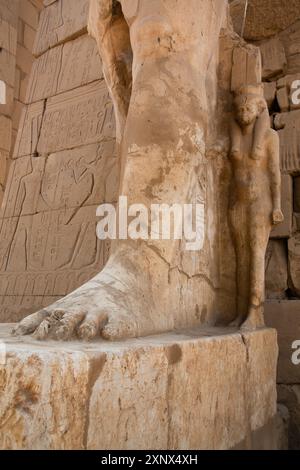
{"points": [[29, 129], [8, 36], [289, 396], [61, 20], [284, 229], [291, 40], [276, 269], [64, 68], [70, 179], [63, 129], [293, 94], [80, 65], [288, 130], [269, 92], [294, 264], [238, 12], [252, 219], [273, 58], [285, 317], [265, 18], [296, 194], [283, 99], [61, 191], [100, 395], [7, 67], [5, 133], [246, 67]]}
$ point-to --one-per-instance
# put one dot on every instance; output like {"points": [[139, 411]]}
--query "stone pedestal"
{"points": [[202, 389]]}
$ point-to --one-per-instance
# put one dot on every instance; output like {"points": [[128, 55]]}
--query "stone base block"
{"points": [[198, 389]]}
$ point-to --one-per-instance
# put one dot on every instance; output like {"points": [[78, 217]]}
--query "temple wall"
{"points": [[18, 25], [275, 27], [63, 166]]}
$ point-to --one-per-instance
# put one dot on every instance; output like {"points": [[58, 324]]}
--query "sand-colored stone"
{"points": [[266, 18], [99, 396], [289, 396], [273, 58], [29, 130], [5, 133], [60, 21], [7, 67], [287, 84], [255, 199], [296, 193], [285, 317], [291, 40], [294, 264], [61, 128], [284, 230], [269, 92], [283, 99], [238, 12], [8, 36], [288, 130], [246, 67], [63, 68], [276, 269]]}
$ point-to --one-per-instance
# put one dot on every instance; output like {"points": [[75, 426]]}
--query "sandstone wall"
{"points": [[274, 25], [63, 167], [18, 25]]}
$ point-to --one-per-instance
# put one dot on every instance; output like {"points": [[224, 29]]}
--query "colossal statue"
{"points": [[160, 62]]}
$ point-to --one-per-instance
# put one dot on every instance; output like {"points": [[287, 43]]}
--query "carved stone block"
{"points": [[44, 75], [289, 396], [7, 67], [179, 384], [283, 99], [60, 21], [264, 20], [294, 264], [29, 129], [5, 133], [285, 317], [77, 117], [297, 194], [288, 125], [287, 83], [276, 269], [269, 92], [80, 64], [64, 68], [8, 36], [246, 66], [273, 58]]}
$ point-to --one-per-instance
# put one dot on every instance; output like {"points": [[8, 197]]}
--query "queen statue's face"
{"points": [[246, 110]]}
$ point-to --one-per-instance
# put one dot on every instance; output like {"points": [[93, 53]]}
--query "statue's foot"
{"points": [[254, 320], [237, 322], [118, 303]]}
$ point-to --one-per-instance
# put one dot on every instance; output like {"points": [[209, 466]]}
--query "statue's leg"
{"points": [[163, 148], [238, 222], [260, 232]]}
